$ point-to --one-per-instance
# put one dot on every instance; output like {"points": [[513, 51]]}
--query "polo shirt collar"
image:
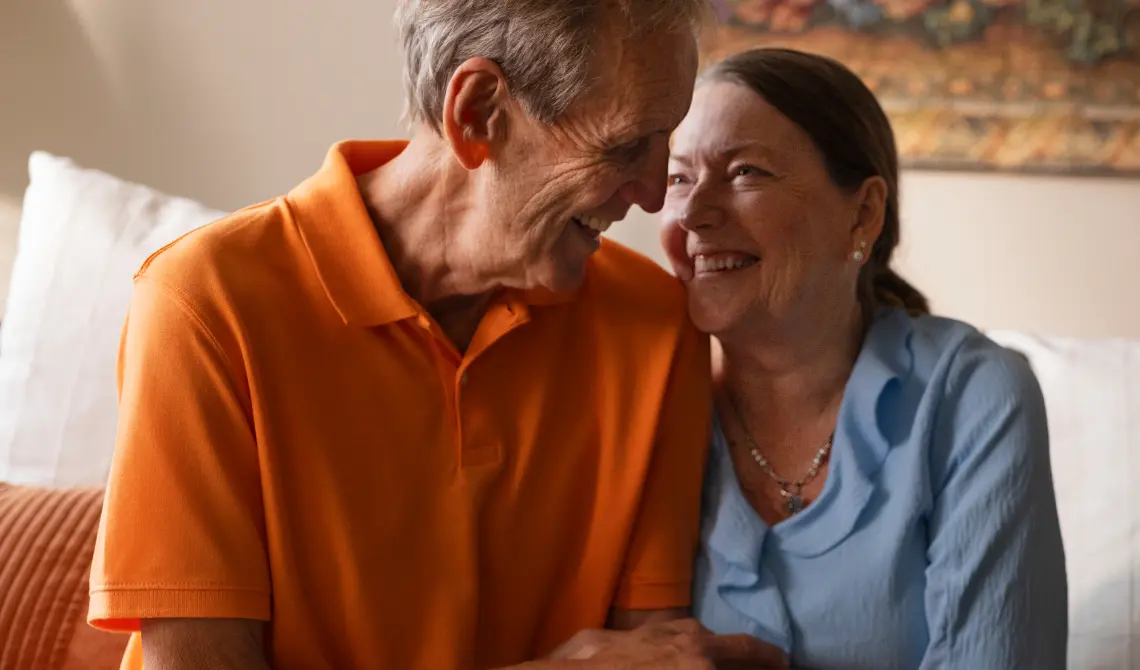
{"points": [[342, 241], [346, 250]]}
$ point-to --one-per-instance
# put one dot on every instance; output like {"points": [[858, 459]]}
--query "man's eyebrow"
{"points": [[635, 137], [641, 134]]}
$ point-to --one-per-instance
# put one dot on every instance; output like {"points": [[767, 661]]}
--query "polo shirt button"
{"points": [[424, 321], [463, 379]]}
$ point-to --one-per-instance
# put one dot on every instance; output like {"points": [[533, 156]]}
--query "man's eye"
{"points": [[632, 149], [676, 179]]}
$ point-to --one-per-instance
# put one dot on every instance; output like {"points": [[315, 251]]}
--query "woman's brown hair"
{"points": [[852, 134]]}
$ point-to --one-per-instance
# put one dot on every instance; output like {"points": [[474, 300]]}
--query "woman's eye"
{"points": [[748, 171], [676, 179]]}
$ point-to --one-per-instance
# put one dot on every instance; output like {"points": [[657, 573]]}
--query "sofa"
{"points": [[47, 537], [82, 235]]}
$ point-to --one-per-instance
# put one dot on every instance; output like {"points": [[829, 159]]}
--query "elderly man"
{"points": [[416, 414]]}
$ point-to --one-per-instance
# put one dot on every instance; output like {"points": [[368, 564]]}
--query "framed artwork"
{"points": [[1039, 86]]}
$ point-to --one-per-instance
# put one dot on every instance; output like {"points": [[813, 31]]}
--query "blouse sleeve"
{"points": [[996, 594]]}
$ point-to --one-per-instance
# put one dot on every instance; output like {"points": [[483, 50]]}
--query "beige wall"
{"points": [[9, 222], [233, 102]]}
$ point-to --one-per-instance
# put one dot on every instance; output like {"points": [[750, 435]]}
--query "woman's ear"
{"points": [[872, 202], [474, 111]]}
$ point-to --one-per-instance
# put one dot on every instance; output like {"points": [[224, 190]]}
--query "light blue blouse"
{"points": [[935, 541]]}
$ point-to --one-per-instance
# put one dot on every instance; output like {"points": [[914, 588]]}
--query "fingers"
{"points": [[677, 641], [582, 646], [728, 652], [744, 651]]}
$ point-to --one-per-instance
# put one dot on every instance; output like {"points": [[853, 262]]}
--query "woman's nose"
{"points": [[693, 209]]}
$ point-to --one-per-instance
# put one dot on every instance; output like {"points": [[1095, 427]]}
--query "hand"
{"points": [[672, 645]]}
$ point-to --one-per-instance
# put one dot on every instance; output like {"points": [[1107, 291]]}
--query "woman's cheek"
{"points": [[673, 243]]}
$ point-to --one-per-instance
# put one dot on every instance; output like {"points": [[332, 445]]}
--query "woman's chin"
{"points": [[711, 317]]}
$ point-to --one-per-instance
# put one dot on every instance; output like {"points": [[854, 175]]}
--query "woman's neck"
{"points": [[784, 379]]}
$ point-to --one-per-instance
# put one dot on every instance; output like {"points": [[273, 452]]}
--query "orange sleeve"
{"points": [[182, 532], [659, 562]]}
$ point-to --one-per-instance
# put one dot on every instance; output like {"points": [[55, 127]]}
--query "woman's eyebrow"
{"points": [[726, 151], [734, 150]]}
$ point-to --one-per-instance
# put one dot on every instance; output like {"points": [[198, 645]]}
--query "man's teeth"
{"points": [[722, 263], [593, 223]]}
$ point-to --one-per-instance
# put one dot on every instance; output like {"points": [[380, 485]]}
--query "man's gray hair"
{"points": [[544, 47]]}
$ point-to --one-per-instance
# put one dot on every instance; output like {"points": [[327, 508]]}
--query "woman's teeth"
{"points": [[722, 263], [593, 223]]}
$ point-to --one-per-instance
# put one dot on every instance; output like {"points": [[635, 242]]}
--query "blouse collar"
{"points": [[860, 446]]}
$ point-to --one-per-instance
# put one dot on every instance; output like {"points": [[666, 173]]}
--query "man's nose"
{"points": [[647, 184]]}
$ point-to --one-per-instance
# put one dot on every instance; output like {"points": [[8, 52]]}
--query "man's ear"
{"points": [[872, 201], [474, 110]]}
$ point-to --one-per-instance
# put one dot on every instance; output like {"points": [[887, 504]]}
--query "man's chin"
{"points": [[564, 277], [568, 283]]}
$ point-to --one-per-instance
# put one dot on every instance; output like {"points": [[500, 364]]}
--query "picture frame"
{"points": [[1023, 86]]}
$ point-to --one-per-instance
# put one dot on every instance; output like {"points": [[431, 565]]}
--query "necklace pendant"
{"points": [[795, 505]]}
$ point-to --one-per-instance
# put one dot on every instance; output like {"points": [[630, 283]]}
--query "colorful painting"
{"points": [[1046, 86]]}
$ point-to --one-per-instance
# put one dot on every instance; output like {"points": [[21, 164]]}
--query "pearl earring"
{"points": [[859, 254]]}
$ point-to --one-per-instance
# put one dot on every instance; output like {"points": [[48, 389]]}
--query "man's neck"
{"points": [[791, 376], [421, 203]]}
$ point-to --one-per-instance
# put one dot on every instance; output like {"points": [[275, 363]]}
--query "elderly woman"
{"points": [[879, 493]]}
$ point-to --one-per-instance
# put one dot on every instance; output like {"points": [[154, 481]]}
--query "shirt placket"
{"points": [[478, 440]]}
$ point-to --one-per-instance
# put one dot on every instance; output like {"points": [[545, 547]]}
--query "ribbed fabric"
{"points": [[47, 537]]}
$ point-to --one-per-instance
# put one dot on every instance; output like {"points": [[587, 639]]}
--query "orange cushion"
{"points": [[46, 540]]}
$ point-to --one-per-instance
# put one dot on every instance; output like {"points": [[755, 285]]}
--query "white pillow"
{"points": [[1092, 396], [83, 235]]}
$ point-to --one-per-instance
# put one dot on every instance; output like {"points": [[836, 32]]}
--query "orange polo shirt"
{"points": [[300, 444]]}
